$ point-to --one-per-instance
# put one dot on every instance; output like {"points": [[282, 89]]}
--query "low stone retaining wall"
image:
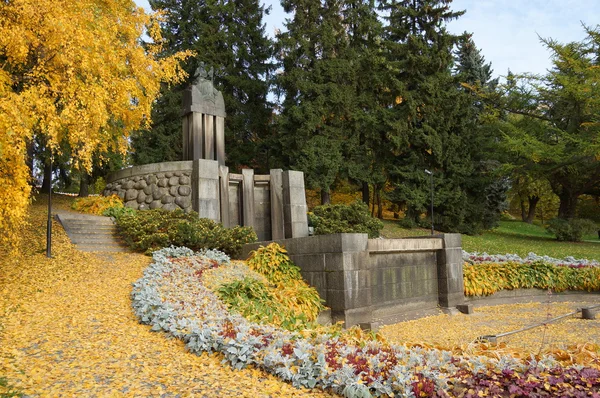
{"points": [[517, 296], [369, 282]]}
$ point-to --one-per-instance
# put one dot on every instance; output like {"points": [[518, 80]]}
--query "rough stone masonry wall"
{"points": [[154, 186]]}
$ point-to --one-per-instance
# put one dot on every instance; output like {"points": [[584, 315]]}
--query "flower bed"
{"points": [[572, 262], [485, 274], [171, 298]]}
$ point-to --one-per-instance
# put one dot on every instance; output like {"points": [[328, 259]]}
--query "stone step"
{"points": [[99, 248], [91, 233], [94, 229], [107, 239], [106, 222]]}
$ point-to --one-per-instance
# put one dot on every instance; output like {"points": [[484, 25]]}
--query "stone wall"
{"points": [[154, 186], [274, 205], [369, 282]]}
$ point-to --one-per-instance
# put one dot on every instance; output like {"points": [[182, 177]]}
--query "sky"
{"points": [[506, 31]]}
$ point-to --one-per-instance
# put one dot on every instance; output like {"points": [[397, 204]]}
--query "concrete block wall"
{"points": [[372, 281]]}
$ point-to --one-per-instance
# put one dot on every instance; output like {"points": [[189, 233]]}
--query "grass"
{"points": [[511, 237]]}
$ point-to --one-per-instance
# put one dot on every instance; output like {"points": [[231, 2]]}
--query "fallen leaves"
{"points": [[571, 340], [67, 329]]}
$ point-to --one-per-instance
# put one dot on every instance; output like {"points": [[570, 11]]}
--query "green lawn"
{"points": [[512, 237]]}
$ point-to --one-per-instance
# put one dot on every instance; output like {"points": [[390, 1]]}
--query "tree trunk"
{"points": [[568, 205], [523, 211], [379, 207], [29, 160], [47, 178], [365, 193], [373, 201], [325, 197], [533, 201], [84, 186]]}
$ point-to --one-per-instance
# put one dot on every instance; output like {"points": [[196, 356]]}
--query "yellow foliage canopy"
{"points": [[76, 74]]}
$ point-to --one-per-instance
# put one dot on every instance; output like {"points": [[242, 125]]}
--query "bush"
{"points": [[291, 302], [571, 230], [339, 218], [96, 204], [151, 230], [118, 211]]}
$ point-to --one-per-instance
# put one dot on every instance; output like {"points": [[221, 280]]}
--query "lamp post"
{"points": [[49, 223], [431, 179]]}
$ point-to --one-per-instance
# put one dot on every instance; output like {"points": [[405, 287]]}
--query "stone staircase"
{"points": [[91, 233]]}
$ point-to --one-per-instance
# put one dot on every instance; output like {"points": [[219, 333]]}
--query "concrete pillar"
{"points": [[294, 205], [220, 139], [248, 197], [450, 271], [209, 137], [277, 217], [186, 137], [195, 136], [205, 189], [224, 195]]}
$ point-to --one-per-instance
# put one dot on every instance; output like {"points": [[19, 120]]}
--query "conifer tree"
{"points": [[365, 150], [554, 129], [429, 119], [317, 94]]}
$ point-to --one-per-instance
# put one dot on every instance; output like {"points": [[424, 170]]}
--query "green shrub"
{"points": [[282, 298], [118, 211], [571, 230], [340, 218], [151, 230]]}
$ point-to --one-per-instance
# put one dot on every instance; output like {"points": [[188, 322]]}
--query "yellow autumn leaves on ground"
{"points": [[572, 340], [67, 328]]}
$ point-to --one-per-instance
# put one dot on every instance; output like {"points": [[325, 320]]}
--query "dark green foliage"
{"points": [[432, 122], [151, 230], [553, 128], [118, 211], [340, 218], [317, 92], [230, 38], [571, 230], [330, 124], [471, 67]]}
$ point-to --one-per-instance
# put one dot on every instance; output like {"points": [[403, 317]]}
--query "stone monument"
{"points": [[203, 119], [274, 205]]}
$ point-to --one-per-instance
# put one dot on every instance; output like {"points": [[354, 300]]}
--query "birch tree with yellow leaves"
{"points": [[76, 74]]}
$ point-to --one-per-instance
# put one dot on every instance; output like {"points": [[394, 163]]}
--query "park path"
{"points": [[67, 329]]}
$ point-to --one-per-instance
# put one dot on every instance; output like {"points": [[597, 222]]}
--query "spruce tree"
{"points": [[486, 188], [317, 95], [365, 150], [429, 118], [229, 37]]}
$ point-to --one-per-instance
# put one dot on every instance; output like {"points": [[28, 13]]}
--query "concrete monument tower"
{"points": [[203, 119]]}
